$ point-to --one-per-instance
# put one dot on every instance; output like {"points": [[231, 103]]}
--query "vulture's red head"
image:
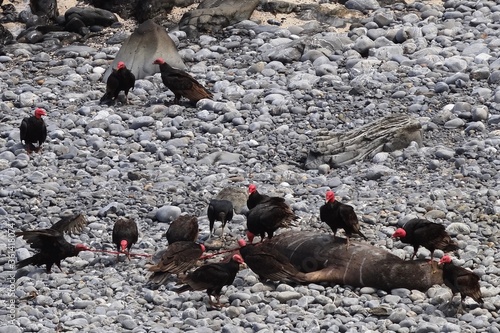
{"points": [[238, 259], [445, 260], [202, 247], [330, 196], [40, 112], [81, 247], [123, 245], [252, 188], [399, 233], [242, 243], [159, 61], [121, 65], [250, 236]]}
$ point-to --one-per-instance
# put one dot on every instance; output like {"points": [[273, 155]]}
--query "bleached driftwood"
{"points": [[387, 134]]}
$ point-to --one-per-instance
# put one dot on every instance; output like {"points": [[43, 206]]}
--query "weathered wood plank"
{"points": [[387, 134]]}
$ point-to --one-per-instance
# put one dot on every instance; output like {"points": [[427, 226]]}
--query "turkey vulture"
{"points": [[50, 243], [120, 79], [267, 216], [219, 210], [33, 130], [254, 197], [181, 83], [125, 234], [178, 258], [461, 280], [338, 215], [268, 263], [420, 232], [184, 228], [213, 277]]}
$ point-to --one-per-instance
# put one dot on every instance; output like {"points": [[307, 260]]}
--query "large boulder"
{"points": [[214, 15], [91, 16], [148, 42], [77, 18]]}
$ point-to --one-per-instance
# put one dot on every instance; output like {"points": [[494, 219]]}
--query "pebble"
{"points": [[286, 296], [167, 213], [276, 89]]}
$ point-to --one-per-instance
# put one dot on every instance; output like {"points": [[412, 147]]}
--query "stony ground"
{"points": [[147, 160]]}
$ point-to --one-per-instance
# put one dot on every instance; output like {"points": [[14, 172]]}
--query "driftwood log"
{"points": [[326, 258], [387, 134]]}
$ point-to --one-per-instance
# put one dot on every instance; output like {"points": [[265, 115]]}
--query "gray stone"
{"points": [[480, 113], [167, 213], [377, 171], [383, 19], [361, 5], [397, 315], [144, 121], [454, 123], [10, 329], [363, 44], [286, 296], [458, 228], [220, 158], [477, 126], [78, 322], [426, 327]]}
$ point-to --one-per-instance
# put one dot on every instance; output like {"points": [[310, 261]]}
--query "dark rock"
{"points": [[282, 7], [9, 13], [90, 16], [8, 9], [96, 28], [146, 10], [47, 8], [118, 38], [75, 25], [31, 36], [213, 15], [148, 42], [25, 16], [5, 36], [65, 37], [142, 10]]}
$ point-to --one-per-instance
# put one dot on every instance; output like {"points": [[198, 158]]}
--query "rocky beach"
{"points": [[277, 89]]}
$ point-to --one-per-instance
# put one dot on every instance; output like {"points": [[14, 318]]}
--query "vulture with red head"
{"points": [[33, 130], [340, 216], [120, 79], [461, 280], [254, 197], [213, 277], [181, 83], [266, 215], [421, 232], [50, 243], [125, 234]]}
